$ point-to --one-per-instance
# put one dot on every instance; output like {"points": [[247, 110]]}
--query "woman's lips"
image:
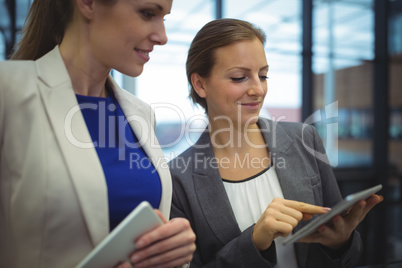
{"points": [[251, 105], [144, 54]]}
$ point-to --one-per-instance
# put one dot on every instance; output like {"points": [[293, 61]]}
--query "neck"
{"points": [[229, 139], [87, 74]]}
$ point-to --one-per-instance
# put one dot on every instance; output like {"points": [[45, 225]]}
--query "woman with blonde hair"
{"points": [[68, 134]]}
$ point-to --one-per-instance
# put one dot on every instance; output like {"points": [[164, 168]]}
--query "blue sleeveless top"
{"points": [[130, 176]]}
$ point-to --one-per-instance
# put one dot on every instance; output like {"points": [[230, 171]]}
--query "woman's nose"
{"points": [[159, 36], [257, 88]]}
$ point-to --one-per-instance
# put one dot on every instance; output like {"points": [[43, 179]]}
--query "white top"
{"points": [[249, 198]]}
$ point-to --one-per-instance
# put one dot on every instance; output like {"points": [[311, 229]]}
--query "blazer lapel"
{"points": [[75, 142], [289, 165], [290, 170], [211, 193], [141, 120]]}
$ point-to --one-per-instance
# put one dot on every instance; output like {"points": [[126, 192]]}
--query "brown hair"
{"points": [[214, 35], [44, 27]]}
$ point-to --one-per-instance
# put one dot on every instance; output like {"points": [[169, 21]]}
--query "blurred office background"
{"points": [[336, 64]]}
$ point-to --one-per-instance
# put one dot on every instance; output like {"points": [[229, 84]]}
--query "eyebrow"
{"points": [[247, 69], [158, 6]]}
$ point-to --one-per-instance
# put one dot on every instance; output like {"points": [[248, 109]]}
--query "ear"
{"points": [[86, 7], [198, 84]]}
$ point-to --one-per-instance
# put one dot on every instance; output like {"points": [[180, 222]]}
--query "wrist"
{"points": [[338, 250], [261, 242]]}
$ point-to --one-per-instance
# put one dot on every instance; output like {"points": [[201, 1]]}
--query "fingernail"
{"points": [[134, 258], [125, 265], [326, 209], [382, 198], [140, 244]]}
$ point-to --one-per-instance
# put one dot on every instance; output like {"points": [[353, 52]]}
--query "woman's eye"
{"points": [[263, 77], [238, 79], [147, 14]]}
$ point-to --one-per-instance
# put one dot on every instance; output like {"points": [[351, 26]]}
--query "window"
{"points": [[163, 84], [343, 50], [2, 47], [281, 22]]}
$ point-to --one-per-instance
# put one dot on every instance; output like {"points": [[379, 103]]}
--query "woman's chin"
{"points": [[132, 72]]}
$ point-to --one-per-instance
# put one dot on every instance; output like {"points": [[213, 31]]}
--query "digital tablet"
{"points": [[119, 244], [339, 208]]}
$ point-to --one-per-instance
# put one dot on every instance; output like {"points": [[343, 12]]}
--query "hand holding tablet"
{"points": [[119, 244], [341, 208], [152, 232]]}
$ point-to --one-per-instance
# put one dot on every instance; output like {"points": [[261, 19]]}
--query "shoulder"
{"points": [[182, 163], [16, 71], [12, 65], [298, 129], [17, 79], [185, 163], [285, 135], [292, 129]]}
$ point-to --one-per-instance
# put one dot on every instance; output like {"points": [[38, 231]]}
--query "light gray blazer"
{"points": [[53, 195], [199, 195]]}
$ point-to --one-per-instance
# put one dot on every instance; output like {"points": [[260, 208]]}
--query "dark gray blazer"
{"points": [[199, 196]]}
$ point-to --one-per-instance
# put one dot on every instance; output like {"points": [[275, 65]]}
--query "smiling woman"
{"points": [[236, 86], [132, 29], [67, 131], [249, 181]]}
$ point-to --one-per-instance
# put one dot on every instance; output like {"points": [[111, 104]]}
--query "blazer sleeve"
{"points": [[239, 252], [320, 255]]}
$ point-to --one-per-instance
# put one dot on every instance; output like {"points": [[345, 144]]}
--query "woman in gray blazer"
{"points": [[68, 131], [249, 181]]}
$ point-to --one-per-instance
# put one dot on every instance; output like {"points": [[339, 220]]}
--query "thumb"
{"points": [[160, 215], [307, 216]]}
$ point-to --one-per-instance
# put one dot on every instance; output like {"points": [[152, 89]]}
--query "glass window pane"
{"points": [[163, 84], [343, 50], [2, 47], [281, 21], [395, 143]]}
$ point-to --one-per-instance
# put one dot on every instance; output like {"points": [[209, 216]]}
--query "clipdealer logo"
{"points": [[144, 129], [328, 113]]}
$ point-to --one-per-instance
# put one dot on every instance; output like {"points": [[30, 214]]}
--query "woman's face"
{"points": [[237, 85], [123, 34]]}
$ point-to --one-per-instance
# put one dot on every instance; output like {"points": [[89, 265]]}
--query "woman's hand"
{"points": [[279, 219], [171, 244], [337, 235]]}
